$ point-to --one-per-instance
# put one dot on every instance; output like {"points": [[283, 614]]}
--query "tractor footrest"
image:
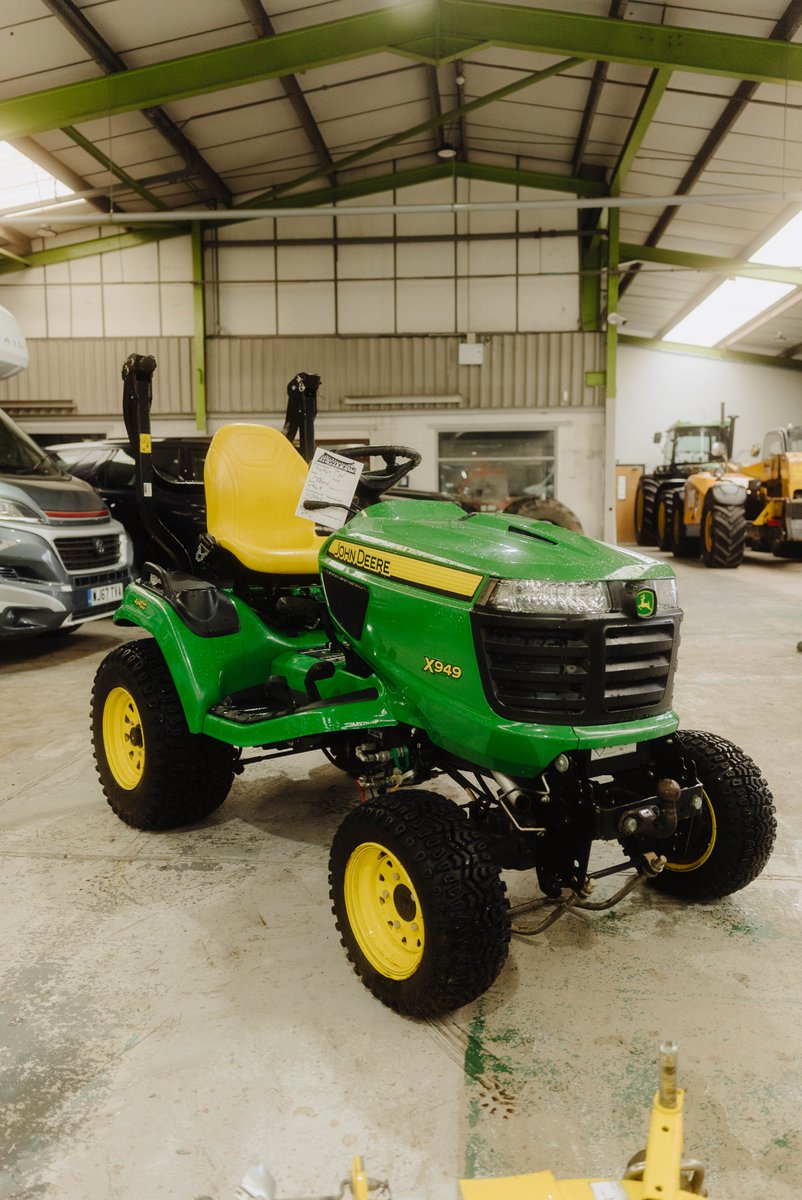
{"points": [[252, 705]]}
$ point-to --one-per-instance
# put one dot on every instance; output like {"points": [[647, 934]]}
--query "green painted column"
{"points": [[199, 340]]}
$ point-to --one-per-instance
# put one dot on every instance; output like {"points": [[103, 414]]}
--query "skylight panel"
{"points": [[785, 248], [23, 182], [730, 306]]}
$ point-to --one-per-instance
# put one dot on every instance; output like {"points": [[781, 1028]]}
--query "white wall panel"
{"points": [[59, 311], [305, 262], [422, 259], [28, 306], [87, 310], [175, 260], [131, 310], [366, 306], [177, 310], [548, 302], [247, 308], [487, 258], [365, 262], [425, 306], [246, 263], [487, 305], [306, 306], [140, 264]]}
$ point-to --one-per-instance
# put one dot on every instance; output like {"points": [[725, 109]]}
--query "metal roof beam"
{"points": [[399, 28], [95, 152], [783, 31], [594, 95], [263, 27], [741, 356], [652, 96], [712, 264], [405, 134], [84, 32]]}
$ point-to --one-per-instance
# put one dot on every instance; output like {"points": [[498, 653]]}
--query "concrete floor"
{"points": [[176, 1007]]}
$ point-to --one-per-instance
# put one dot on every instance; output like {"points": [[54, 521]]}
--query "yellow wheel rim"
{"points": [[709, 532], [123, 740], [383, 911], [706, 852], [661, 520]]}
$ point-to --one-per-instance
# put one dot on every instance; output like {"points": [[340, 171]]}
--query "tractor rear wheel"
{"points": [[723, 534], [725, 846], [154, 772], [419, 903], [644, 511], [681, 545]]}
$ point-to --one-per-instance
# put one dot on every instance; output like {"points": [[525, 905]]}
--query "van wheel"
{"points": [[727, 845], [155, 774], [418, 902]]}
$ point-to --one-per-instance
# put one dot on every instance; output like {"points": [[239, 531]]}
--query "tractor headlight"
{"points": [[579, 599]]}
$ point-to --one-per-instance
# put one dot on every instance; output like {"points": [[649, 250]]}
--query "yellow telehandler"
{"points": [[721, 512]]}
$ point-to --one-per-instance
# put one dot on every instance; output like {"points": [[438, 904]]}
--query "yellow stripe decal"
{"points": [[410, 570], [144, 443]]}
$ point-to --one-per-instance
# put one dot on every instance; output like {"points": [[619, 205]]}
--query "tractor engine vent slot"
{"points": [[551, 671], [637, 666], [88, 553]]}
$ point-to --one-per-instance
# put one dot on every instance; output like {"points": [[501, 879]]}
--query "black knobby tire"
{"points": [[644, 511], [662, 519], [723, 534], [728, 844], [547, 510], [184, 776], [459, 901], [682, 546]]}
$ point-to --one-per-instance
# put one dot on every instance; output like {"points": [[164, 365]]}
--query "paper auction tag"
{"points": [[329, 489]]}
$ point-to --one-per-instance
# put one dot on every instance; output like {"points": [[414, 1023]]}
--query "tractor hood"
{"points": [[497, 545]]}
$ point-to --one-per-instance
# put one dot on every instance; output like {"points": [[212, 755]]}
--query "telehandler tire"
{"points": [[723, 534], [419, 903], [728, 844], [154, 772]]}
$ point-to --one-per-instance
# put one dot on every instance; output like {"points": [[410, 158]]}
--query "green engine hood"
{"points": [[494, 544]]}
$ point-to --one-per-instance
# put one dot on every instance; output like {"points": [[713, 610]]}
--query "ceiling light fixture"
{"points": [[446, 150]]}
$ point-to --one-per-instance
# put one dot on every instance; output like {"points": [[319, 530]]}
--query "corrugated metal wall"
{"points": [[249, 375], [536, 370], [86, 371]]}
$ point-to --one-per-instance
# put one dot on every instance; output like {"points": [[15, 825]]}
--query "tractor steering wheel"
{"points": [[380, 480]]}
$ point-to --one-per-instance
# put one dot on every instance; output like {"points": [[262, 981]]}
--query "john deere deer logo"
{"points": [[645, 602]]}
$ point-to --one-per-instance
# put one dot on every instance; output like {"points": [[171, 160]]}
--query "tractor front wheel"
{"points": [[419, 903], [727, 844], [723, 534], [154, 772]]}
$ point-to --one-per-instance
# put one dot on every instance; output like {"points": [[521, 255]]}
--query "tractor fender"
{"points": [[728, 493], [203, 669]]}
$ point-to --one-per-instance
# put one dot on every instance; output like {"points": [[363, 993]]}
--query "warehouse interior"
{"points": [[483, 225]]}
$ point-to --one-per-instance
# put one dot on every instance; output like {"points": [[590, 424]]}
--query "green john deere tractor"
{"points": [[528, 664]]}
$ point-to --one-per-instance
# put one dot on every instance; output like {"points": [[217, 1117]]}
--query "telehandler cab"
{"points": [[527, 663]]}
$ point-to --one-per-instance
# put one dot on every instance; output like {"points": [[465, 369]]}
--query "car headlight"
{"points": [[580, 599], [13, 510]]}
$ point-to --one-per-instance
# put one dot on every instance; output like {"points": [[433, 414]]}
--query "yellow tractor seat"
{"points": [[253, 478]]}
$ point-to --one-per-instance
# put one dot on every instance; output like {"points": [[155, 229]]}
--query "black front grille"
{"points": [[89, 553], [572, 671]]}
